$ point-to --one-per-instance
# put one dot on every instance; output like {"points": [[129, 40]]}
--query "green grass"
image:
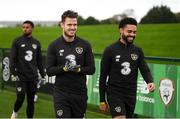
{"points": [[43, 108], [160, 39], [155, 39]]}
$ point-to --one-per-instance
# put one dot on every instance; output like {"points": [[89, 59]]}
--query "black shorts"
{"points": [[69, 105], [23, 87], [120, 106]]}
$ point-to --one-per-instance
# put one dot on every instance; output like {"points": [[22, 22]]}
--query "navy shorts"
{"points": [[69, 105], [120, 106]]}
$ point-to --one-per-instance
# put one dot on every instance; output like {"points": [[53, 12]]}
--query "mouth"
{"points": [[131, 38], [72, 30]]}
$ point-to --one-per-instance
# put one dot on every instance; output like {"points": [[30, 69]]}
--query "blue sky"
{"points": [[11, 10]]}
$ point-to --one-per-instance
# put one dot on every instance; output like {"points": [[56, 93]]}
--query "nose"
{"points": [[72, 27]]}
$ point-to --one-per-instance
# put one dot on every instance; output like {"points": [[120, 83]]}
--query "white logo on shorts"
{"points": [[60, 112], [19, 89], [118, 109]]}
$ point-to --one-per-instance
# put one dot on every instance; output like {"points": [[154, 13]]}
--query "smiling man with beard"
{"points": [[119, 65], [70, 59]]}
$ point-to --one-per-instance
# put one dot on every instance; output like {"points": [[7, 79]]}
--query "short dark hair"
{"points": [[127, 20], [70, 14], [29, 22]]}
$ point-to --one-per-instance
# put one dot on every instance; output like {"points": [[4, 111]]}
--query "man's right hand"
{"points": [[14, 78], [41, 82], [65, 68], [103, 107]]}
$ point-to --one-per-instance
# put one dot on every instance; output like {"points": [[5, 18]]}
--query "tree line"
{"points": [[158, 14]]}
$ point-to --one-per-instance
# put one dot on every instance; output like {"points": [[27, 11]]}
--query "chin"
{"points": [[27, 34], [130, 42], [71, 36]]}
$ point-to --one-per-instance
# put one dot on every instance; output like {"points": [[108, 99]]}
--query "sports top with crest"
{"points": [[26, 58], [120, 64], [79, 52]]}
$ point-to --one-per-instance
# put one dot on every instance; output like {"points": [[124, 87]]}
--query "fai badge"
{"points": [[166, 90], [34, 46], [134, 56], [19, 89], [59, 112], [79, 50], [118, 109]]}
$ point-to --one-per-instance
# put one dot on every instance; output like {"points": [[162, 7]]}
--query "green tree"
{"points": [[81, 20], [106, 21], [91, 20], [178, 16], [160, 14]]}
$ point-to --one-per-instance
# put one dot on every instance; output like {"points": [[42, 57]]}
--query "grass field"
{"points": [[155, 39], [43, 108]]}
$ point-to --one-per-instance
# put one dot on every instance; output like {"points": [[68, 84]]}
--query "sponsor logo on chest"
{"points": [[134, 57]]}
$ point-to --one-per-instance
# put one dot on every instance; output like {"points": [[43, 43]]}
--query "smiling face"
{"points": [[128, 33], [69, 26]]}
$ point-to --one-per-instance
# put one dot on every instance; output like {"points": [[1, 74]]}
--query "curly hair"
{"points": [[126, 21]]}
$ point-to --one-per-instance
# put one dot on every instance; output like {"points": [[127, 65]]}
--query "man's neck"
{"points": [[122, 41], [68, 39], [28, 36]]}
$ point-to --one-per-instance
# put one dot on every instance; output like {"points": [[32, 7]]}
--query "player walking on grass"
{"points": [[26, 60], [70, 59], [120, 63]]}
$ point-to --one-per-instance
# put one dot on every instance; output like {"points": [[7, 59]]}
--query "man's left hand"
{"points": [[76, 68]]}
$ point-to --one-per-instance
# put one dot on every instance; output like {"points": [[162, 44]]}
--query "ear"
{"points": [[62, 25], [121, 30]]}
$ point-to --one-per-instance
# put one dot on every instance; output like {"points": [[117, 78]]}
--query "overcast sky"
{"points": [[100, 9]]}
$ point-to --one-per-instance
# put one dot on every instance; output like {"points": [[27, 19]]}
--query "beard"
{"points": [[27, 34], [125, 38], [68, 35]]}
